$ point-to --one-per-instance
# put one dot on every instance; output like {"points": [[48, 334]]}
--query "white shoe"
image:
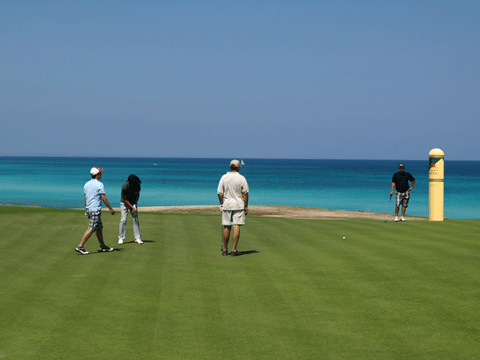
{"points": [[396, 218], [403, 219], [138, 241], [120, 241]]}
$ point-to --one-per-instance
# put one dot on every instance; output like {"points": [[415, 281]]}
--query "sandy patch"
{"points": [[290, 212]]}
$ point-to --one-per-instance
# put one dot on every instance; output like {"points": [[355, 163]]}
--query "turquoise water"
{"points": [[334, 184]]}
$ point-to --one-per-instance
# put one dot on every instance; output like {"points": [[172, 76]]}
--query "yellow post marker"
{"points": [[435, 188]]}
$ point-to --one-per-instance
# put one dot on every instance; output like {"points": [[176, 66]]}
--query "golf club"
{"points": [[388, 209]]}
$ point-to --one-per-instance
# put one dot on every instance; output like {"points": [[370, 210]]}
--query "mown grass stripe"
{"points": [[388, 291]]}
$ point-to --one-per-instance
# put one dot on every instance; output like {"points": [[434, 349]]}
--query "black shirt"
{"points": [[401, 181], [130, 192]]}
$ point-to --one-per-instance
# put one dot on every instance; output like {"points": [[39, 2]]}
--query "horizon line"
{"points": [[196, 157]]}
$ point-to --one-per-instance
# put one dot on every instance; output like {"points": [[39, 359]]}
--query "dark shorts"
{"points": [[403, 198], [95, 220]]}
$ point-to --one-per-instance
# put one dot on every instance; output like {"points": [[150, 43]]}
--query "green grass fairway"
{"points": [[388, 291]]}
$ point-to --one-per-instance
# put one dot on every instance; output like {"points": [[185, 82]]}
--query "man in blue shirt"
{"points": [[94, 194]]}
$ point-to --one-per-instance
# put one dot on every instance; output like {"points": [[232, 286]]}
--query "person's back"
{"points": [[233, 185], [233, 196]]}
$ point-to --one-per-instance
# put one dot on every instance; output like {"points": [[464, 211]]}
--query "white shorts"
{"points": [[233, 217]]}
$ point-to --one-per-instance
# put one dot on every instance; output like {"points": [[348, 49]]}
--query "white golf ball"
{"points": [[344, 238]]}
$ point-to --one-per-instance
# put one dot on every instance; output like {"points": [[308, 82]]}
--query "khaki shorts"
{"points": [[233, 217]]}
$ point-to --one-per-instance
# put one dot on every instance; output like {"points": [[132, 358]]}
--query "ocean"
{"points": [[364, 185]]}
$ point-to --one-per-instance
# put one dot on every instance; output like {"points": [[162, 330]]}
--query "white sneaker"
{"points": [[120, 241], [138, 241], [403, 219], [396, 218]]}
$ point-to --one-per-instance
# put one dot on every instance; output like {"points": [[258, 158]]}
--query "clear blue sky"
{"points": [[263, 79]]}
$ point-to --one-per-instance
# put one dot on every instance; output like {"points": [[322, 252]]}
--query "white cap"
{"points": [[95, 170], [235, 163]]}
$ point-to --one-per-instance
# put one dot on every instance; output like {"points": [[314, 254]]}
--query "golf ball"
{"points": [[344, 237]]}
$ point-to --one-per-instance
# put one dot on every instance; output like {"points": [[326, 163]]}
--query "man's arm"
{"points": [[105, 200], [136, 203], [220, 192], [129, 204], [393, 187], [245, 201], [412, 179], [413, 184]]}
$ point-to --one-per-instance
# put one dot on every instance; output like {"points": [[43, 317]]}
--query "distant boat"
{"points": [[242, 163], [155, 164]]}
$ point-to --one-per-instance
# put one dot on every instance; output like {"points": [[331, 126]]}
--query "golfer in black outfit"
{"points": [[400, 180]]}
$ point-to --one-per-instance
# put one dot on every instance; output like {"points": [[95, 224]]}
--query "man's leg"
{"points": [[403, 212], [123, 223], [85, 237], [226, 236], [397, 205], [405, 201], [236, 237], [100, 237], [136, 227]]}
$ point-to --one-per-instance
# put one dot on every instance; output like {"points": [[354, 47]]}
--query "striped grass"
{"points": [[387, 291]]}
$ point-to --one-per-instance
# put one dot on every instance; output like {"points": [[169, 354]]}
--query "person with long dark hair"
{"points": [[128, 202]]}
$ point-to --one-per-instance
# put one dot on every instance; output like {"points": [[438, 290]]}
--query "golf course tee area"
{"points": [[301, 289]]}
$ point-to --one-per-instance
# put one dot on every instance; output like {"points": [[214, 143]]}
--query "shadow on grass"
{"points": [[133, 242], [247, 252], [98, 252], [105, 252]]}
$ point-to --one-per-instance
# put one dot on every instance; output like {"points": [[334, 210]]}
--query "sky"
{"points": [[330, 79]]}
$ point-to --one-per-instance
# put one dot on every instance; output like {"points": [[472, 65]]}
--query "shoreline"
{"points": [[279, 211], [290, 212]]}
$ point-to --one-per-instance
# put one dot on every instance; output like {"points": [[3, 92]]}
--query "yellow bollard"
{"points": [[435, 188]]}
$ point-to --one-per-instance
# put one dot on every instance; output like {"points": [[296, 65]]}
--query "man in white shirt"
{"points": [[94, 194], [233, 196]]}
